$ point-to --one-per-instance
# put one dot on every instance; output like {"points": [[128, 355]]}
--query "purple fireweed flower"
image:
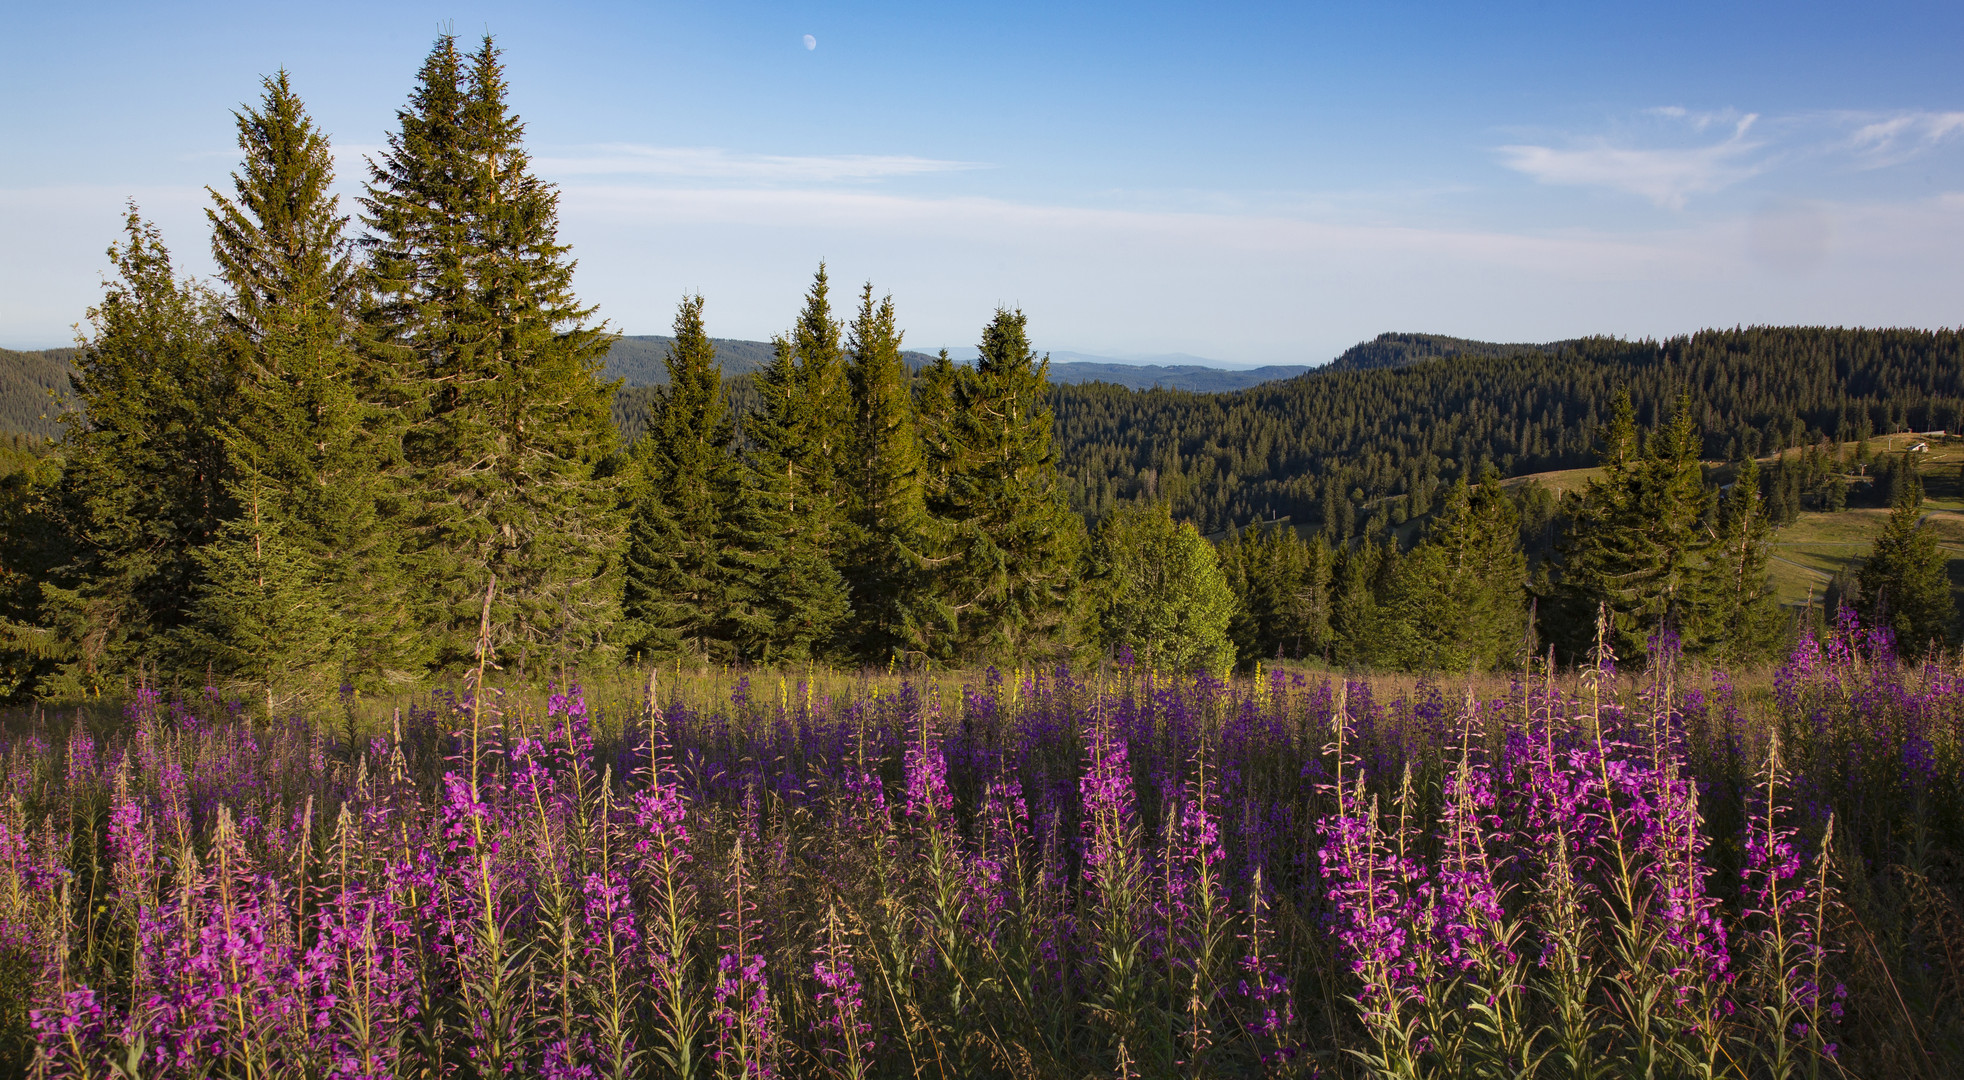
{"points": [[1106, 792], [531, 780], [660, 813], [1004, 825], [132, 846], [1112, 867], [360, 979], [1375, 898], [1783, 916], [742, 1022], [742, 1015], [841, 1000], [224, 980], [561, 1061], [1469, 914], [1271, 1010], [1197, 853], [1674, 842], [71, 1033], [867, 798], [928, 794], [83, 766], [463, 818], [1373, 891], [608, 904], [175, 795]]}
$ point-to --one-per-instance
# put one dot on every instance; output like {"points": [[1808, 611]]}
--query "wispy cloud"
{"points": [[1666, 176], [1891, 140], [1697, 119], [1093, 229], [710, 163], [1664, 159]]}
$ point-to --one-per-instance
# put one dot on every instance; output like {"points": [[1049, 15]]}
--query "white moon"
{"points": [[810, 43]]}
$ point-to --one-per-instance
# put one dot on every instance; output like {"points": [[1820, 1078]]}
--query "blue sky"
{"points": [[1249, 183]]}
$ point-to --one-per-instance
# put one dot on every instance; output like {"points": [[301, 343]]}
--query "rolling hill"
{"points": [[1194, 377], [1403, 349], [1325, 444]]}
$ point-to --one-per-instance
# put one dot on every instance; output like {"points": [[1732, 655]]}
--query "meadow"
{"points": [[1614, 872]]}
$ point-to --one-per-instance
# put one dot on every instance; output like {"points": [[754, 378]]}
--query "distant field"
{"points": [[1808, 553]]}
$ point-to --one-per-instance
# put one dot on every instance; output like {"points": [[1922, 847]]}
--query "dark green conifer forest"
{"points": [[312, 473]]}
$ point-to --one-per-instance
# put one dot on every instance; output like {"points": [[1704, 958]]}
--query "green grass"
{"points": [[1807, 554], [1810, 552]]}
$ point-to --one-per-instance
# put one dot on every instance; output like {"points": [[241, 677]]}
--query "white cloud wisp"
{"points": [[1665, 176]]}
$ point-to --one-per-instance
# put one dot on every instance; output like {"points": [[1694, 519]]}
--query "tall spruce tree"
{"points": [[1904, 584], [34, 545], [503, 364], [1637, 540], [1017, 543], [1746, 624], [934, 419], [787, 596], [678, 571], [1356, 577], [825, 411], [893, 541], [147, 480], [309, 450], [261, 617]]}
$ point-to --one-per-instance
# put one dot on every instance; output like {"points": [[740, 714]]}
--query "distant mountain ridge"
{"points": [[639, 360], [30, 381], [642, 359], [1194, 377], [1397, 350]]}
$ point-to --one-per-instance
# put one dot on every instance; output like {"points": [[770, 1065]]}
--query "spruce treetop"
{"points": [[280, 240]]}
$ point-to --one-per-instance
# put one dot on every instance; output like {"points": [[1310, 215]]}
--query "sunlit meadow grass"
{"points": [[1057, 873]]}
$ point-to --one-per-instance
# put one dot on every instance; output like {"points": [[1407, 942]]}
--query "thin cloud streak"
{"points": [[1580, 252], [710, 163], [1666, 176], [1670, 175], [1879, 144]]}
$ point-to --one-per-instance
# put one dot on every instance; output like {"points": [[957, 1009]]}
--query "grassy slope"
{"points": [[1808, 553]]}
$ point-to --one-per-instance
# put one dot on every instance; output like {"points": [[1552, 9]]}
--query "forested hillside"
{"points": [[1355, 450], [1399, 350], [33, 389], [641, 359]]}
